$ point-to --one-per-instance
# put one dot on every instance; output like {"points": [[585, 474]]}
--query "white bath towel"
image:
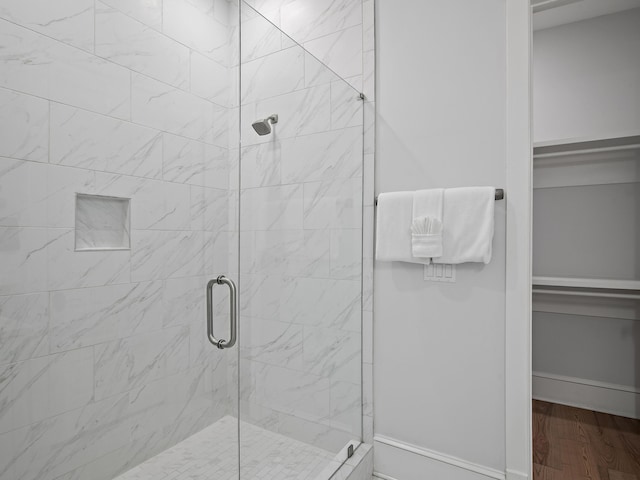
{"points": [[426, 227], [468, 220], [426, 237], [393, 228]]}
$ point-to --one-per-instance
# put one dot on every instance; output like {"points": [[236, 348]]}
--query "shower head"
{"points": [[263, 127]]}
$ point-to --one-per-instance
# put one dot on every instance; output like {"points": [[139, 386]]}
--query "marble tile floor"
{"points": [[212, 454]]}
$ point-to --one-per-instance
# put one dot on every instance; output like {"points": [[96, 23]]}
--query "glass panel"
{"points": [[301, 129], [104, 357]]}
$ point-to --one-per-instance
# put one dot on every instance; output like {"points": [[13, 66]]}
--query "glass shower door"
{"points": [[299, 194]]}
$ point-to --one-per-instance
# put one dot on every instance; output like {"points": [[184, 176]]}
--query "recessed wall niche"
{"points": [[102, 223]]}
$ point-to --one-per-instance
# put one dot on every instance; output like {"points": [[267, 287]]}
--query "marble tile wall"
{"points": [[341, 33], [103, 356], [334, 31], [302, 204]]}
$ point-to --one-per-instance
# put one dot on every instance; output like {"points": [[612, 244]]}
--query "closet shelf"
{"points": [[588, 287], [573, 146], [578, 282]]}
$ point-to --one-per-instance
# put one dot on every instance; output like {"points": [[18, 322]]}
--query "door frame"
{"points": [[518, 252]]}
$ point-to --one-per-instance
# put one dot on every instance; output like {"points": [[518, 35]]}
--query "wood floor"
{"points": [[575, 444]]}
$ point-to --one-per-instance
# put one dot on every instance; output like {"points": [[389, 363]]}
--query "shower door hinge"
{"points": [[350, 451]]}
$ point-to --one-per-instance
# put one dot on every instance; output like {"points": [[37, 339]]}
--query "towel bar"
{"points": [[499, 195]]}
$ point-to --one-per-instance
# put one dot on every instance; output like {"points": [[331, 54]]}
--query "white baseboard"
{"points": [[409, 462], [382, 476], [590, 394], [512, 475]]}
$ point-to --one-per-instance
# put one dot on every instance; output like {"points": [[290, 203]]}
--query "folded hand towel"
{"points": [[467, 220], [393, 228], [426, 236]]}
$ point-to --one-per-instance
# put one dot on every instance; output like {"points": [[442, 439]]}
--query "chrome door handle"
{"points": [[233, 312]]}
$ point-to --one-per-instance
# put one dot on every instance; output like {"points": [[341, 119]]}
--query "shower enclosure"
{"points": [[135, 198]]}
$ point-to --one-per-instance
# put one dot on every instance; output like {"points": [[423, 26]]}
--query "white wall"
{"points": [[439, 350], [587, 347], [586, 78]]}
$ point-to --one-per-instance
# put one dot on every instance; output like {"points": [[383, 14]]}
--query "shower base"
{"points": [[212, 453]]}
